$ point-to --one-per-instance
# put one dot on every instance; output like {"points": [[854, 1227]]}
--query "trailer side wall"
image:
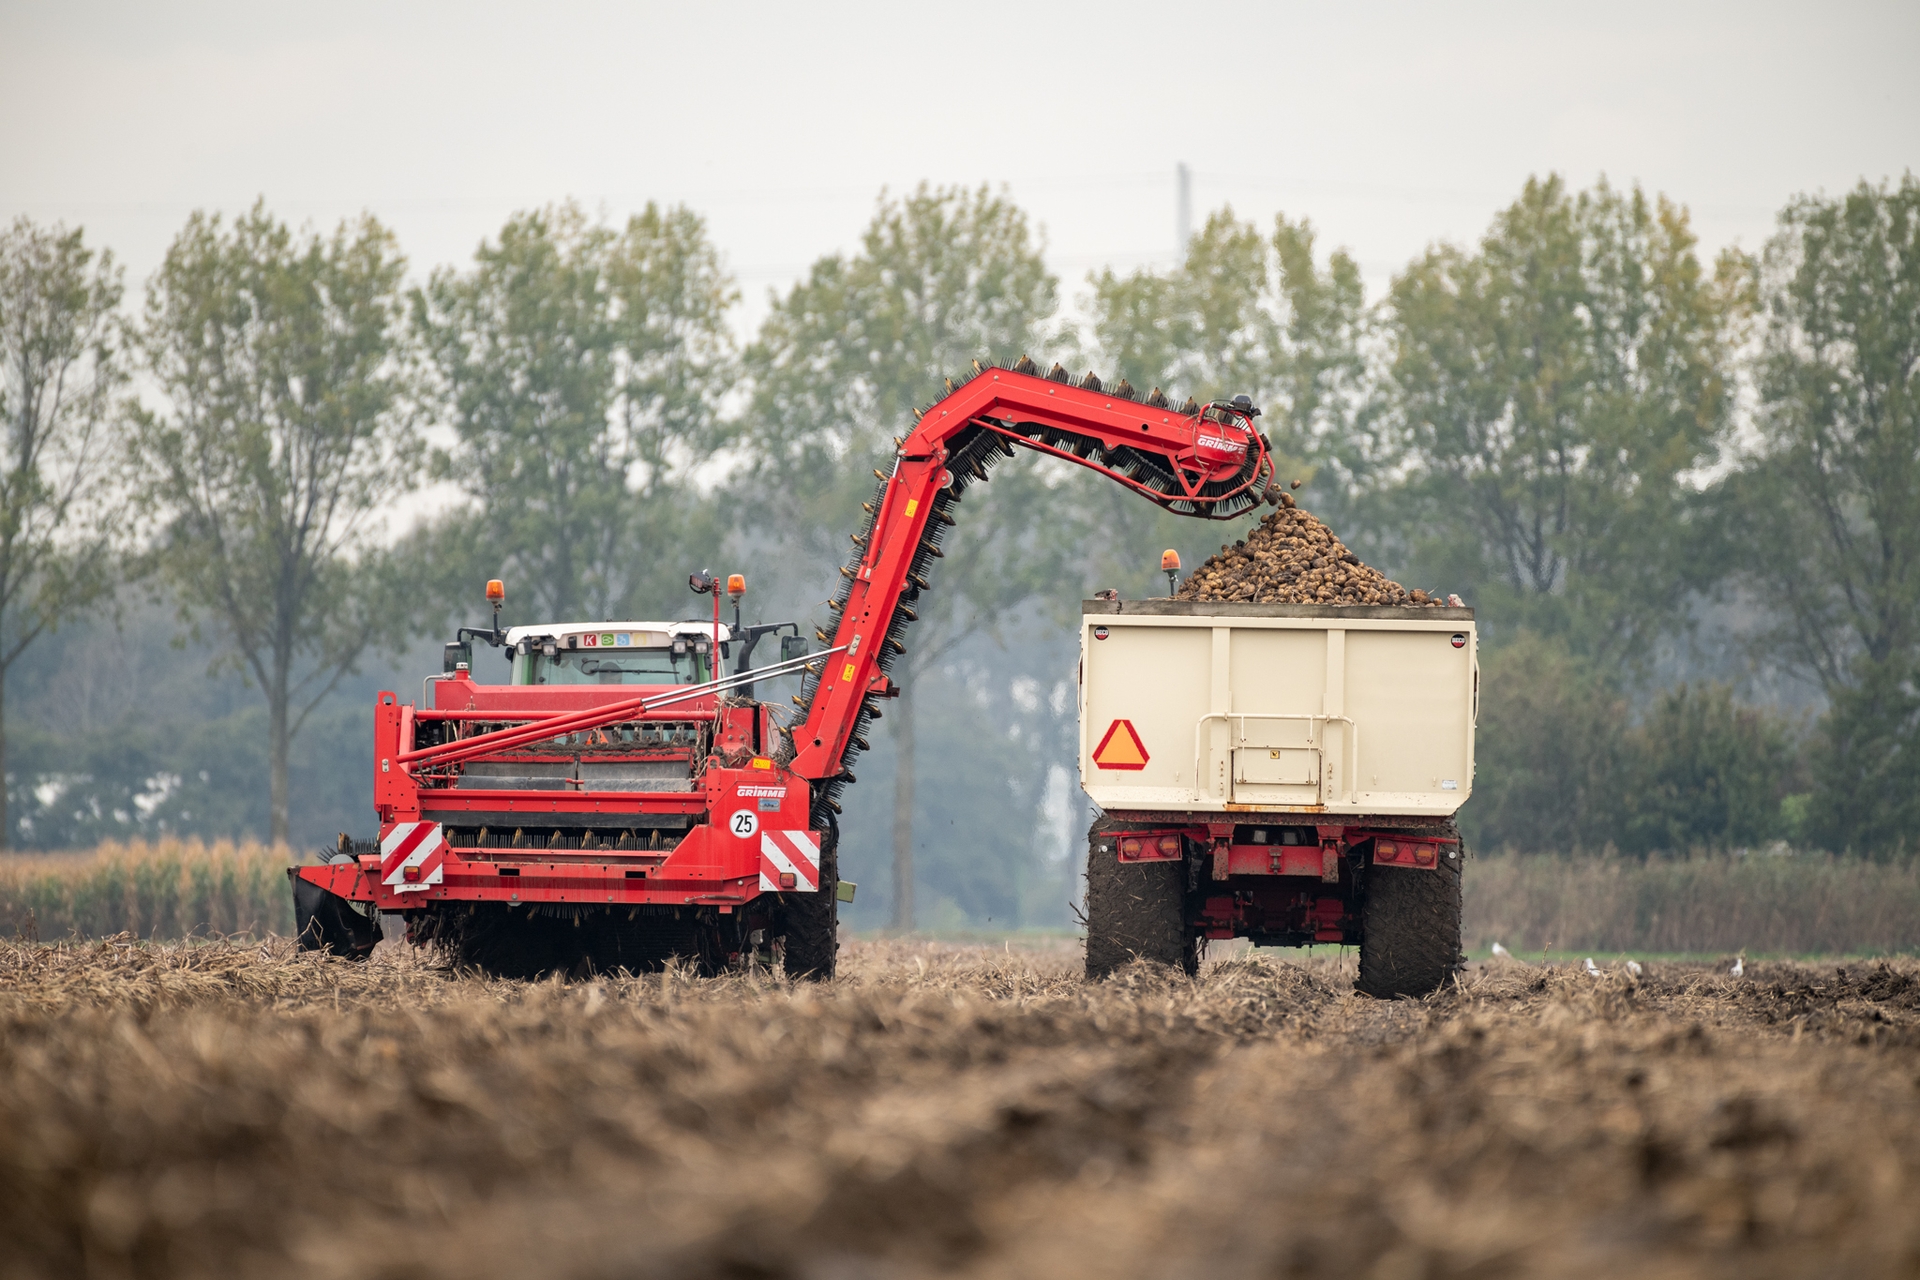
{"points": [[1277, 708]]}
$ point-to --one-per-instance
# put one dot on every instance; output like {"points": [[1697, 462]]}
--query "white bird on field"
{"points": [[1739, 966], [1633, 967], [1502, 952], [1593, 970]]}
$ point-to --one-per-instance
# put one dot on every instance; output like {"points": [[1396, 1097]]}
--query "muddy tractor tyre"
{"points": [[325, 921], [1135, 909], [1409, 929], [813, 919]]}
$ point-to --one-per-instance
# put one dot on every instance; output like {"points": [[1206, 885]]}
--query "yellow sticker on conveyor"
{"points": [[913, 505], [847, 675]]}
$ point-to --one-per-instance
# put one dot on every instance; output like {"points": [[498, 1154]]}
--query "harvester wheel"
{"points": [[813, 919], [1410, 928], [1135, 909], [325, 921]]}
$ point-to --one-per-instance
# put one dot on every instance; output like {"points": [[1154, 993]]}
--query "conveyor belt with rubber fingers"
{"points": [[1208, 462]]}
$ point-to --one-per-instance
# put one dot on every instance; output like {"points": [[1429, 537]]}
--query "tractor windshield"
{"points": [[654, 665]]}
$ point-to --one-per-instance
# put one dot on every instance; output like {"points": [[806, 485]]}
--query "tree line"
{"points": [[1635, 463]]}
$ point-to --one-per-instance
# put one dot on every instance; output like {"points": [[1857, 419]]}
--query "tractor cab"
{"points": [[640, 653], [632, 653]]}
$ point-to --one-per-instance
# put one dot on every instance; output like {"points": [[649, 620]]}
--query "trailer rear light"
{"points": [[788, 880], [1406, 853], [1149, 846], [411, 871]]}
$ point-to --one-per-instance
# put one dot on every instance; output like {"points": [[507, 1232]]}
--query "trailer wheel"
{"points": [[1135, 909], [1410, 929], [325, 921], [813, 919]]}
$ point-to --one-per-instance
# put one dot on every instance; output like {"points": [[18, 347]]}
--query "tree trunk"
{"points": [[277, 752], [902, 714], [6, 819]]}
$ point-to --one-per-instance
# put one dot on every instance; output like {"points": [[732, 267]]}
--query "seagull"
{"points": [[1593, 970], [1633, 967], [1739, 966], [1502, 952]]}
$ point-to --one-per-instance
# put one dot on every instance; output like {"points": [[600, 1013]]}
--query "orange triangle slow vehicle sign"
{"points": [[1121, 748]]}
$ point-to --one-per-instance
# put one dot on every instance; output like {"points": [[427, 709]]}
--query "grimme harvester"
{"points": [[623, 800]]}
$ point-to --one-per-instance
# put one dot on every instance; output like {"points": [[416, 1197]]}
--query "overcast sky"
{"points": [[1389, 126]]}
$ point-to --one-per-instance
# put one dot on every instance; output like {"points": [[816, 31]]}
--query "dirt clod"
{"points": [[1291, 558]]}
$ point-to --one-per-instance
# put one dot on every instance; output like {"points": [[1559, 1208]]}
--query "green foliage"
{"points": [[1562, 764], [581, 368], [167, 889], [1866, 766], [1206, 327], [1248, 313], [61, 369], [151, 778], [943, 277], [1825, 517], [1705, 772], [284, 440], [1550, 751], [1546, 398]]}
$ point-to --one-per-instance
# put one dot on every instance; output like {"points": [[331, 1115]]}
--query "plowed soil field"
{"points": [[245, 1111]]}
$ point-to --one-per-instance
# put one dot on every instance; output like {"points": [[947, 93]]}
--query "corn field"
{"points": [[158, 889], [1786, 905]]}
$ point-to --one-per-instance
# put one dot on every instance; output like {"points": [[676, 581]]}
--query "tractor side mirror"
{"points": [[792, 647]]}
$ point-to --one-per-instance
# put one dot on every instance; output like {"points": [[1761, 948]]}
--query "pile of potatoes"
{"points": [[1291, 558]]}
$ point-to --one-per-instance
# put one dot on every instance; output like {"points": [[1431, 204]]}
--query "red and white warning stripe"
{"points": [[418, 845], [794, 853]]}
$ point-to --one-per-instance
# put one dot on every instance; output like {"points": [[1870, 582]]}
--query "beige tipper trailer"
{"points": [[1286, 773]]}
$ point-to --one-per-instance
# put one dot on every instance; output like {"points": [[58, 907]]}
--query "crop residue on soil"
{"points": [[1291, 558], [234, 1111]]}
